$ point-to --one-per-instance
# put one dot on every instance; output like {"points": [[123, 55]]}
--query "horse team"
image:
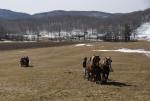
{"points": [[96, 71]]}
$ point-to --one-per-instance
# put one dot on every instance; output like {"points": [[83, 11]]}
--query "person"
{"points": [[27, 61], [84, 67], [22, 61]]}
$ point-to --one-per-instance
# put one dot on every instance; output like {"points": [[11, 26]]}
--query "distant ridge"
{"points": [[8, 14], [96, 14]]}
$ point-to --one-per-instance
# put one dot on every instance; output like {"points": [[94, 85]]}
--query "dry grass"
{"points": [[56, 75]]}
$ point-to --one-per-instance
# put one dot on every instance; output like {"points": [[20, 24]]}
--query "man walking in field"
{"points": [[84, 67]]}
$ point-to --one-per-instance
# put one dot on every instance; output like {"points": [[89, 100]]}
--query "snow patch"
{"points": [[79, 45], [29, 41], [6, 41], [143, 32], [126, 50], [88, 45]]}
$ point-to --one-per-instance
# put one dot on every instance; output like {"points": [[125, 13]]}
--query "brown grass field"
{"points": [[56, 74]]}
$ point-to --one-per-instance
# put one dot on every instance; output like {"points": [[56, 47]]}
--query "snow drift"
{"points": [[126, 50]]}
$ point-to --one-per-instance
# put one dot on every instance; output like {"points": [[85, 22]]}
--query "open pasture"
{"points": [[56, 74]]}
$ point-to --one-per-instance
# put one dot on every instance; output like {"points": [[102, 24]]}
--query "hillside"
{"points": [[8, 14], [95, 14], [67, 21]]}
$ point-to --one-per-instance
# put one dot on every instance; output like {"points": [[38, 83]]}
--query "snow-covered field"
{"points": [[143, 32], [126, 50]]}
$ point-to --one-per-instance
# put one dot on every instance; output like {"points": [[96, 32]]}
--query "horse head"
{"points": [[85, 59], [96, 60], [107, 61]]}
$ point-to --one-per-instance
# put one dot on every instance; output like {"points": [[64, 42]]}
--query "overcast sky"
{"points": [[112, 6]]}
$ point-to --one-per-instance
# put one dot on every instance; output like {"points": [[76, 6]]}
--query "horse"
{"points": [[24, 61], [105, 68], [92, 67]]}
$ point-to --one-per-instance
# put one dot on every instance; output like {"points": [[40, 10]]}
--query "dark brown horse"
{"points": [[92, 68], [105, 68]]}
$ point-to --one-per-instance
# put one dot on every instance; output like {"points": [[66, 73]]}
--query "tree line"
{"points": [[116, 27]]}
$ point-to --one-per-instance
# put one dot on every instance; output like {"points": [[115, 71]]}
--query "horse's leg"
{"points": [[91, 77], [26, 63], [107, 75], [88, 75], [84, 70], [97, 75], [85, 73], [102, 77], [93, 73], [98, 78]]}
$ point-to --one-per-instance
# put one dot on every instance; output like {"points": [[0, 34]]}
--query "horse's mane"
{"points": [[91, 60], [104, 61]]}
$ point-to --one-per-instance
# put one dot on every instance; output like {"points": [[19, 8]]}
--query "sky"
{"points": [[111, 6]]}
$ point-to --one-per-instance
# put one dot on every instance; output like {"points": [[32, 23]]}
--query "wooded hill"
{"points": [[56, 21]]}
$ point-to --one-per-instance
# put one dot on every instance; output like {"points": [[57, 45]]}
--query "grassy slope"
{"points": [[56, 75]]}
